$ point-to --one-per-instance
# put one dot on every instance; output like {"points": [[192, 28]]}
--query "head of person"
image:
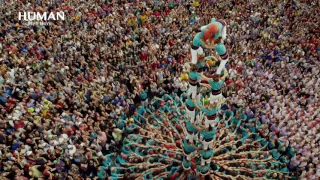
{"points": [[193, 67], [213, 28]]}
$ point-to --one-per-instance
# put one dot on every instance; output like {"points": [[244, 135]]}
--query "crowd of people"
{"points": [[71, 91]]}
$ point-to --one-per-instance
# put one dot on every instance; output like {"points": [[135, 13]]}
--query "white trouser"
{"points": [[215, 98], [189, 157], [195, 137], [224, 33], [191, 114], [194, 54], [222, 66], [190, 137], [145, 102], [198, 97], [211, 123], [203, 161], [207, 144], [198, 120], [192, 90]]}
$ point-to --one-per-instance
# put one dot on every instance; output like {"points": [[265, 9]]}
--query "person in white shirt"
{"points": [[184, 86]]}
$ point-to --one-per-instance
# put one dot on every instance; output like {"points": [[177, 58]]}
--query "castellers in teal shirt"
{"points": [[209, 112], [190, 103], [144, 95], [190, 128], [216, 85], [195, 76], [206, 134], [188, 148], [187, 164], [203, 169], [207, 154]]}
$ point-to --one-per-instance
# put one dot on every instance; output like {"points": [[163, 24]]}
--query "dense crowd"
{"points": [[71, 90]]}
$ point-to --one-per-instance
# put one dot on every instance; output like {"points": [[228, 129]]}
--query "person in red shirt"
{"points": [[171, 41], [166, 11], [157, 14]]}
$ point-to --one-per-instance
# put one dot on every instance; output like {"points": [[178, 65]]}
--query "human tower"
{"points": [[196, 135]]}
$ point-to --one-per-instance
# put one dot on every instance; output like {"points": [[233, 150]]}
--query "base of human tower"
{"points": [[160, 147]]}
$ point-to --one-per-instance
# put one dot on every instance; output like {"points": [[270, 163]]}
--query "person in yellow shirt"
{"points": [[148, 13], [128, 43], [196, 3], [3, 69], [34, 172], [143, 19], [133, 21], [184, 76]]}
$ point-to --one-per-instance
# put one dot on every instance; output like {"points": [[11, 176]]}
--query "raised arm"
{"points": [[225, 73], [203, 77], [207, 45]]}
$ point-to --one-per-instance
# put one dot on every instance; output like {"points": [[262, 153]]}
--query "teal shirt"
{"points": [[284, 159], [177, 103], [216, 85], [183, 97], [197, 40], [165, 109], [252, 128], [120, 160], [188, 148], [129, 129], [190, 127], [124, 150], [120, 125], [228, 114], [101, 174], [209, 134], [244, 133], [264, 142], [174, 95], [243, 116], [285, 169], [209, 112], [206, 154], [203, 168], [162, 92], [275, 154], [123, 117], [200, 64], [190, 103], [271, 144], [166, 97], [291, 152], [194, 75], [235, 121], [150, 110], [108, 161], [141, 110], [186, 163], [136, 117], [143, 95], [155, 102]]}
